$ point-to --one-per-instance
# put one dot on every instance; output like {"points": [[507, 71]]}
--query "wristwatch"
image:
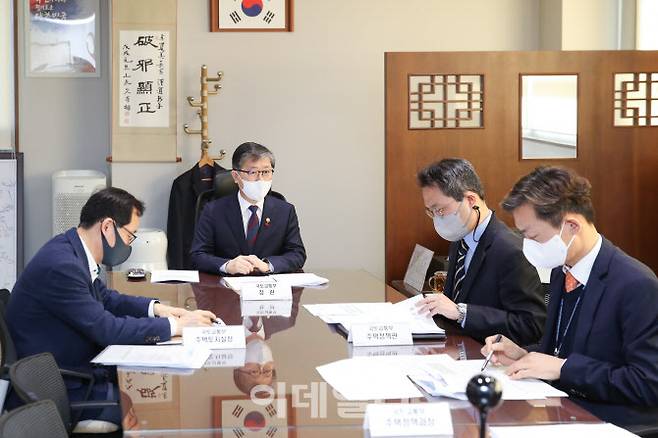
{"points": [[461, 308]]}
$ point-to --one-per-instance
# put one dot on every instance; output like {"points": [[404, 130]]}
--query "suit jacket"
{"points": [[185, 190], [55, 307], [502, 290], [612, 369], [220, 236]]}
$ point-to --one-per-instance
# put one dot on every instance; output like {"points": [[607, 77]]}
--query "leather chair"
{"points": [[35, 420]]}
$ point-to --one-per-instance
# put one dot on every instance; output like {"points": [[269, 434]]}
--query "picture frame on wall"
{"points": [[251, 15], [62, 38]]}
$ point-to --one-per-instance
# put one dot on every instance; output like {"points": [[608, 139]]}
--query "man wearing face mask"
{"points": [[60, 305], [490, 287], [252, 232], [600, 343]]}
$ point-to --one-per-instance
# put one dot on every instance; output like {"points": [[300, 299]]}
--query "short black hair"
{"points": [[552, 192], [453, 176], [111, 202], [250, 151]]}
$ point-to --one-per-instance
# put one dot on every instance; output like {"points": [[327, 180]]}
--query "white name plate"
{"points": [[408, 419], [214, 338], [266, 290], [381, 333], [267, 308], [226, 358]]}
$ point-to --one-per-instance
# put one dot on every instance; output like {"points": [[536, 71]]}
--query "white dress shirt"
{"points": [[583, 267]]}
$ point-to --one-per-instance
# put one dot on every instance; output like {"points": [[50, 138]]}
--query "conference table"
{"points": [[214, 401]]}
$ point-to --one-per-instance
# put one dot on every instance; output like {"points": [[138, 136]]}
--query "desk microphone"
{"points": [[484, 392]]}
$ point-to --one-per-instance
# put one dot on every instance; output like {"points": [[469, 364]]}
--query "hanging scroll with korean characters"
{"points": [[144, 79]]}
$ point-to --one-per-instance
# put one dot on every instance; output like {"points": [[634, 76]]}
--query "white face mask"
{"points": [[550, 254], [256, 190], [450, 226]]}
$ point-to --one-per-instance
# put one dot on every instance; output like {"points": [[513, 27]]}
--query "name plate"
{"points": [[226, 358], [266, 290], [381, 333], [267, 308], [214, 338], [407, 419]]}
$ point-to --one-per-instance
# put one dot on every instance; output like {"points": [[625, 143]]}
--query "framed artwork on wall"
{"points": [[62, 38], [251, 15]]}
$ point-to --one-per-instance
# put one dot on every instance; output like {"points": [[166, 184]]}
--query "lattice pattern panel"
{"points": [[636, 99], [445, 101]]}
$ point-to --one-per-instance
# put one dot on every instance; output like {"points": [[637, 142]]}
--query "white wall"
{"points": [[6, 76], [590, 24], [314, 96], [64, 123]]}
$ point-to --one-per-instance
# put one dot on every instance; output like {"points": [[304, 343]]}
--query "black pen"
{"points": [[486, 361]]}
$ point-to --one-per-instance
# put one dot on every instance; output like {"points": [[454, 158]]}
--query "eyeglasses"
{"points": [[431, 212], [265, 174], [132, 236]]}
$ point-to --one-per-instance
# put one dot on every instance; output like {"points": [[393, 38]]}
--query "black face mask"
{"points": [[118, 254]]}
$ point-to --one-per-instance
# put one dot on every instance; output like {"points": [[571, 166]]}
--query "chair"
{"points": [[35, 420], [37, 377], [223, 185], [7, 349]]}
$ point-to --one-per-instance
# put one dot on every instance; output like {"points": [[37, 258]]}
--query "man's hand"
{"points": [[197, 318], [536, 365], [164, 311], [505, 351], [240, 265], [258, 264], [438, 304]]}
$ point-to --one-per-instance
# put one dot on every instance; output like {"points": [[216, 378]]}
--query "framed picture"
{"points": [[61, 38], [251, 15]]}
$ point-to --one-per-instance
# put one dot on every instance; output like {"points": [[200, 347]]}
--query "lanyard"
{"points": [[558, 344]]}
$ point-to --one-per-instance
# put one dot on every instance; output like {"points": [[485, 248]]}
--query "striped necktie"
{"points": [[252, 226], [460, 269]]}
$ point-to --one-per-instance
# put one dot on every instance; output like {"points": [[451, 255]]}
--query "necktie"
{"points": [[252, 226], [460, 269], [570, 282]]}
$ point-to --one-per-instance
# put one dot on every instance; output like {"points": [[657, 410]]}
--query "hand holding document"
{"points": [[158, 275]]}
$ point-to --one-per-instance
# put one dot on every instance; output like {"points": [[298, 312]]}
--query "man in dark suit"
{"points": [[490, 287], [252, 231], [601, 339], [60, 305]]}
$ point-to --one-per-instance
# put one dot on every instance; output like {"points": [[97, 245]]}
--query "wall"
{"points": [[64, 124], [314, 96], [6, 76]]}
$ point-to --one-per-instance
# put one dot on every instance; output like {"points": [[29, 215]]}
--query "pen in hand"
{"points": [[486, 361]]}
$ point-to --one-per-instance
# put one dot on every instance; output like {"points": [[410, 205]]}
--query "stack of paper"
{"points": [[368, 378], [405, 312], [293, 280], [170, 356], [606, 430]]}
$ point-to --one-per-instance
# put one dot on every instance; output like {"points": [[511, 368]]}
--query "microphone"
{"points": [[484, 392]]}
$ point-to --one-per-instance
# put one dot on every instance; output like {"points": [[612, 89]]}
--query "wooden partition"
{"points": [[620, 162]]}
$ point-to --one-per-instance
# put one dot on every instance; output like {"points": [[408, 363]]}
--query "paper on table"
{"points": [[408, 312], [448, 377], [171, 356], [159, 275], [305, 279], [606, 430], [346, 309], [369, 378], [236, 283]]}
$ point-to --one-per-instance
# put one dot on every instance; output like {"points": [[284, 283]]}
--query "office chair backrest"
{"points": [[35, 420], [223, 185], [36, 378], [7, 348], [4, 296]]}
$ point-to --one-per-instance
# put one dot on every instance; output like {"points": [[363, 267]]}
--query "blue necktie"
{"points": [[460, 269]]}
